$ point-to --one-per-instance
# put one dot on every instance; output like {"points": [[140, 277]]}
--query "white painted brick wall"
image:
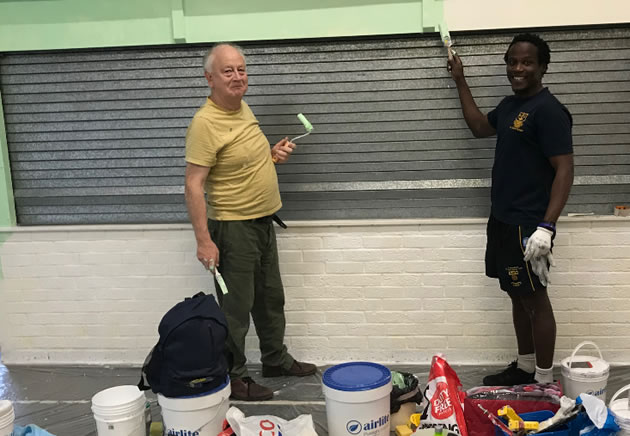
{"points": [[388, 291]]}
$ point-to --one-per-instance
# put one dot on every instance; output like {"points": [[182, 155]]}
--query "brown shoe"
{"points": [[298, 369], [246, 389]]}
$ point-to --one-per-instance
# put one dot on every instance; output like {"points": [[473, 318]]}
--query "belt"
{"points": [[262, 219], [267, 219]]}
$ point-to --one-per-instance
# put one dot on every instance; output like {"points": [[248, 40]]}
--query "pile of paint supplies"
{"points": [[362, 398]]}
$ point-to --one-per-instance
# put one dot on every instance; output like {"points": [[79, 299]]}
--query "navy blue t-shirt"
{"points": [[529, 131]]}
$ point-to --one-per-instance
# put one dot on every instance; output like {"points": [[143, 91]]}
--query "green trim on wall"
{"points": [[432, 15], [65, 24], [7, 202]]}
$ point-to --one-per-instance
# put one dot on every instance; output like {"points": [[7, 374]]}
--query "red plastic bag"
{"points": [[444, 399]]}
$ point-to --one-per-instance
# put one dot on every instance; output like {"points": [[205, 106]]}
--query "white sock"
{"points": [[544, 375], [526, 362]]}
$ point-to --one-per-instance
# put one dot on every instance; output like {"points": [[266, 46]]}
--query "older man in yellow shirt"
{"points": [[230, 159]]}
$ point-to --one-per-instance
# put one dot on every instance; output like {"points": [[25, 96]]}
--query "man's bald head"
{"points": [[210, 55]]}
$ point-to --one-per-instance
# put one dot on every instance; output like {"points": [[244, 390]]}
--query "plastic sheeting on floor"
{"points": [[58, 398]]}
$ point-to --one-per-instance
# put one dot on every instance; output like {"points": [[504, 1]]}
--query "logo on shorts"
{"points": [[513, 272], [519, 121]]}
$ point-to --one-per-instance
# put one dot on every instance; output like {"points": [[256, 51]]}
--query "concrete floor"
{"points": [[58, 399]]}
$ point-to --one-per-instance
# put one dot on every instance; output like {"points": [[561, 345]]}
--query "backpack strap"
{"points": [[197, 295], [150, 369]]}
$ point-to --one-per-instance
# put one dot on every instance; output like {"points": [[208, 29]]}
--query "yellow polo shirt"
{"points": [[242, 183]]}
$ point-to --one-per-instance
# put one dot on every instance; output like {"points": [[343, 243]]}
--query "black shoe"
{"points": [[509, 377], [246, 389]]}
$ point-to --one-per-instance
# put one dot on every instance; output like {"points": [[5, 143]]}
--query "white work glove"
{"points": [[540, 267], [538, 244]]}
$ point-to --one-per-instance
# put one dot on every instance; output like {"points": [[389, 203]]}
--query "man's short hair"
{"points": [[209, 56], [544, 53]]}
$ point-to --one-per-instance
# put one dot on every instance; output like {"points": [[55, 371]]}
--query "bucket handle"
{"points": [[619, 392], [215, 414], [134, 429], [580, 346]]}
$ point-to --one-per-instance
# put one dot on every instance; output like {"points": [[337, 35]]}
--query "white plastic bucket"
{"points": [[201, 415], [620, 409], [120, 411], [357, 399], [7, 416], [585, 374]]}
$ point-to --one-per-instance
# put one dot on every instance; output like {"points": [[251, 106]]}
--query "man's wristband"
{"points": [[549, 226]]}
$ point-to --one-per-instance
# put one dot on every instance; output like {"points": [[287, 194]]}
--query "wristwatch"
{"points": [[549, 225]]}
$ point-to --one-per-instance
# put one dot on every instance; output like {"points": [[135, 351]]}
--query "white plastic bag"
{"points": [[268, 425]]}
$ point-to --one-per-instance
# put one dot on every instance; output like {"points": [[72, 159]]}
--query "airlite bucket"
{"points": [[357, 399], [199, 415], [620, 409], [120, 411], [585, 374], [7, 416]]}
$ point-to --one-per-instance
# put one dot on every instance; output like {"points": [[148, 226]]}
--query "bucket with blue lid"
{"points": [[357, 399]]}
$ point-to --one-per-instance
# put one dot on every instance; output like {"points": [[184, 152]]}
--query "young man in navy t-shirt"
{"points": [[531, 179]]}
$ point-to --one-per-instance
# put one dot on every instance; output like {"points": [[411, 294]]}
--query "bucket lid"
{"points": [[213, 398], [204, 394], [356, 376], [585, 366]]}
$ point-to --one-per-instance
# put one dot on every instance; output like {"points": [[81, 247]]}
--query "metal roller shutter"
{"points": [[98, 136]]}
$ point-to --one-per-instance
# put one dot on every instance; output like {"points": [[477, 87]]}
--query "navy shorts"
{"points": [[504, 257]]}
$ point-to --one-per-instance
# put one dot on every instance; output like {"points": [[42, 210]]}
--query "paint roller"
{"points": [[446, 40], [307, 125]]}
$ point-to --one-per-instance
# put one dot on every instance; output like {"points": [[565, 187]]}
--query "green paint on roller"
{"points": [[308, 126]]}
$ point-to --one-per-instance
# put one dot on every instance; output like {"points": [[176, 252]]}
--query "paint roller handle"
{"points": [[281, 152], [307, 125]]}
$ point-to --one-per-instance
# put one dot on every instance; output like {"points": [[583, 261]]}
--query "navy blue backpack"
{"points": [[189, 358]]}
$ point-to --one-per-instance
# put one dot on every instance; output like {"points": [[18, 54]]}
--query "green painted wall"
{"points": [[63, 24], [7, 204]]}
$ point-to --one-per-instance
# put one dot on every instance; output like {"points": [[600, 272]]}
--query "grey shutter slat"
{"points": [[97, 136]]}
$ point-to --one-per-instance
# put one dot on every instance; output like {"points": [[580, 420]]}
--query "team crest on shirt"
{"points": [[519, 121], [513, 272]]}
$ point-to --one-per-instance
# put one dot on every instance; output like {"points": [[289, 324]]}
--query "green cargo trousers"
{"points": [[248, 261]]}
